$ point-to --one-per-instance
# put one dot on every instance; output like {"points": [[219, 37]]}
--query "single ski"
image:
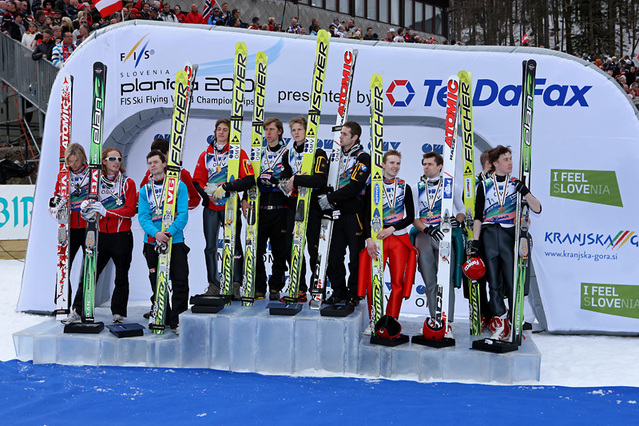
{"points": [[250, 249], [235, 146], [95, 163], [308, 159], [523, 211], [377, 198], [182, 104], [444, 263], [62, 297], [318, 287], [466, 116]]}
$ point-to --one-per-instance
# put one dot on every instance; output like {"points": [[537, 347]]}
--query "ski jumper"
{"points": [[316, 181], [399, 212], [212, 170], [348, 230], [150, 208], [427, 195], [119, 197]]}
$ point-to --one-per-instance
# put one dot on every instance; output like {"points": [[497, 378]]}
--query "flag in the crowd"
{"points": [[525, 39], [208, 8], [108, 7]]}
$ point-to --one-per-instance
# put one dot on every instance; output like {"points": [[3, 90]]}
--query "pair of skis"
{"points": [[95, 161], [181, 107], [250, 249], [308, 161], [62, 297], [466, 113], [233, 168], [521, 256], [318, 286], [445, 259]]}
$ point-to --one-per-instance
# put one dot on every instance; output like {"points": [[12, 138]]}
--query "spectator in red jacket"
{"points": [[194, 17]]}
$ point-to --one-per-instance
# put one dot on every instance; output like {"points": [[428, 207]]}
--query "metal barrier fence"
{"points": [[31, 79]]}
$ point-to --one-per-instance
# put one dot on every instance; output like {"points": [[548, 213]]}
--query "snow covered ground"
{"points": [[566, 360]]}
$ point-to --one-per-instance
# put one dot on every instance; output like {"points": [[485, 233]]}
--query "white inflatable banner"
{"points": [[584, 145]]}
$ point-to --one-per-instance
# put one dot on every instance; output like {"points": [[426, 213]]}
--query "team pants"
{"points": [[428, 261], [179, 273], [347, 233], [119, 248], [402, 262], [213, 220], [271, 227]]}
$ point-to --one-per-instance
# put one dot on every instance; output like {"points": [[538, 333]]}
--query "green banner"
{"points": [[591, 186], [611, 299]]}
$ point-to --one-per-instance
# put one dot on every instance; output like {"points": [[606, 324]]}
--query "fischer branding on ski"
{"points": [[466, 115], [522, 213], [318, 287], [95, 163], [377, 201], [308, 158], [183, 85], [448, 175], [235, 145], [63, 212], [248, 294]]}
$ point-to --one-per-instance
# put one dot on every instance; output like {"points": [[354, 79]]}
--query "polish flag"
{"points": [[108, 7], [524, 39]]}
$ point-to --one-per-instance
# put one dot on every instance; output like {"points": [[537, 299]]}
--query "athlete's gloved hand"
{"points": [[98, 208], [85, 205], [454, 223], [472, 249], [324, 203], [54, 201], [521, 188], [219, 192], [435, 233]]}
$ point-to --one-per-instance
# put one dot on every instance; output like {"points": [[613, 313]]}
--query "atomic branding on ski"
{"points": [[522, 213], [63, 211], [235, 145], [248, 294], [466, 115], [308, 158], [318, 287], [183, 85], [95, 152], [377, 201]]}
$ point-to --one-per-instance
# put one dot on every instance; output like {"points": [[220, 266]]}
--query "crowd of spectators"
{"points": [[623, 70], [54, 28], [42, 25]]}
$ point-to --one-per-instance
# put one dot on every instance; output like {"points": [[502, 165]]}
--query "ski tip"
{"points": [[464, 75], [261, 57], [376, 80], [240, 48], [323, 36]]}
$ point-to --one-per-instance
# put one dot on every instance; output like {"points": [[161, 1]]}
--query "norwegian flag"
{"points": [[208, 9], [108, 7], [525, 39]]}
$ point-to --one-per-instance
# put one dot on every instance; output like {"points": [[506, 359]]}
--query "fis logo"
{"points": [[405, 89], [138, 54]]}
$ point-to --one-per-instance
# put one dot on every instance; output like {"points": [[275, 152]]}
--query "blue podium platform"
{"points": [[251, 340]]}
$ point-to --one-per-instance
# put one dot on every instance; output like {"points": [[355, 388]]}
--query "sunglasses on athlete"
{"points": [[112, 159]]}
